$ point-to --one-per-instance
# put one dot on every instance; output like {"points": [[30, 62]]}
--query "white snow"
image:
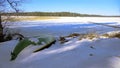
{"points": [[99, 53], [74, 54], [65, 20], [86, 19]]}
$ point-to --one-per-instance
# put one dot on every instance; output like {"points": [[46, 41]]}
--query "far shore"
{"points": [[66, 19]]}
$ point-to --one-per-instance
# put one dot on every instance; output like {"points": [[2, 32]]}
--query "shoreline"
{"points": [[77, 19], [65, 19], [86, 19]]}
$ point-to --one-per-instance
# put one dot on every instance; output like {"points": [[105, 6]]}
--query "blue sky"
{"points": [[101, 7]]}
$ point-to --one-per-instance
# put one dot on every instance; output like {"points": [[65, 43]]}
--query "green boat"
{"points": [[48, 41]]}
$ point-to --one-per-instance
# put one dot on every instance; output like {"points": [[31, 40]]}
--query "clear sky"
{"points": [[101, 7]]}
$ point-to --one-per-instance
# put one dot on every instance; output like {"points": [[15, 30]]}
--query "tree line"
{"points": [[50, 14]]}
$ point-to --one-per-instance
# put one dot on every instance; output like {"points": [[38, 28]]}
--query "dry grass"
{"points": [[114, 35], [62, 40], [37, 18], [30, 18], [91, 36]]}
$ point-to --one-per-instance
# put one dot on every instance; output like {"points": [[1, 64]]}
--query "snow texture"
{"points": [[100, 53]]}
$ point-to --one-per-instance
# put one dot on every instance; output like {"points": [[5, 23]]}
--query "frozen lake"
{"points": [[59, 29]]}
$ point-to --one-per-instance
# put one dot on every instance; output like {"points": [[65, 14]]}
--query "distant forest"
{"points": [[54, 14]]}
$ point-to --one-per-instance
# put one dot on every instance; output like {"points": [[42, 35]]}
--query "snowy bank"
{"points": [[65, 21], [81, 19], [101, 53], [98, 53], [86, 19]]}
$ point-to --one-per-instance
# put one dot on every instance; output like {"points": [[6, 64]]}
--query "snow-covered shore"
{"points": [[68, 19], [86, 19], [98, 53], [65, 20], [101, 53]]}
